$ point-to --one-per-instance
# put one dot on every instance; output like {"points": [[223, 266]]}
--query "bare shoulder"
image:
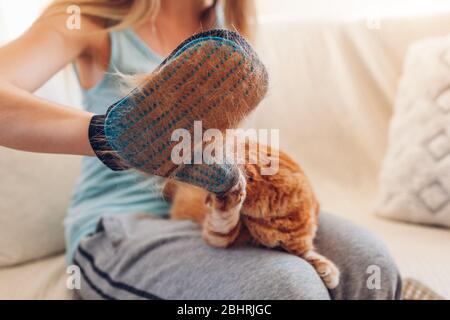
{"points": [[82, 33]]}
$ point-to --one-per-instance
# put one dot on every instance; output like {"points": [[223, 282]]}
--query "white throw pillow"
{"points": [[415, 178], [34, 194]]}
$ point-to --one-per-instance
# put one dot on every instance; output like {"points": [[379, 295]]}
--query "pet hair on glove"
{"points": [[214, 77]]}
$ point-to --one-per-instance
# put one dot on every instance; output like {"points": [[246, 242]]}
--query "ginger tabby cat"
{"points": [[277, 210]]}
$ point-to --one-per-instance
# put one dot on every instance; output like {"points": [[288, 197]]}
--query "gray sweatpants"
{"points": [[134, 258]]}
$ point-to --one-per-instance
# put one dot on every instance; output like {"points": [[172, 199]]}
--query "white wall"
{"points": [[17, 15], [346, 9]]}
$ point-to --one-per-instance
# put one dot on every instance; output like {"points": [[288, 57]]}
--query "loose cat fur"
{"points": [[278, 210]]}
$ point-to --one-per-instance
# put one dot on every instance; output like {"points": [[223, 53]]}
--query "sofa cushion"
{"points": [[415, 177], [34, 190], [42, 279]]}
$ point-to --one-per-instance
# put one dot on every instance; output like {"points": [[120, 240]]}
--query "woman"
{"points": [[122, 254]]}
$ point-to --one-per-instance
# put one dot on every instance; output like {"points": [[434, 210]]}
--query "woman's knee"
{"points": [[367, 269], [381, 279], [285, 277], [373, 276]]}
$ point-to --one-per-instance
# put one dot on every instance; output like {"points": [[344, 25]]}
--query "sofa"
{"points": [[333, 87]]}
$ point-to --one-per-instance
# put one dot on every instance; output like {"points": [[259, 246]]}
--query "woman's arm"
{"points": [[27, 122], [32, 124]]}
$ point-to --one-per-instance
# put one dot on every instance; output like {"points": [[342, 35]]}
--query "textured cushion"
{"points": [[415, 178], [34, 192]]}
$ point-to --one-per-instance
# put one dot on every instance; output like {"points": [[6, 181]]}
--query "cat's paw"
{"points": [[220, 239], [230, 200], [222, 224]]}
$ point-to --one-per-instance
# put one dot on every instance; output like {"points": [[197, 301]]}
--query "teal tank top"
{"points": [[100, 191]]}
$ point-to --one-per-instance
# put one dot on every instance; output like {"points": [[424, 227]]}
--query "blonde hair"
{"points": [[120, 14]]}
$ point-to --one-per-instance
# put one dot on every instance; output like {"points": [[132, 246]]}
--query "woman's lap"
{"points": [[133, 257]]}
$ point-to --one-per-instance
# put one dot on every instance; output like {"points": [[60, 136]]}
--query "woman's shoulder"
{"points": [[84, 30]]}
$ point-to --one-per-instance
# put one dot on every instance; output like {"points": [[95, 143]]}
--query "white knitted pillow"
{"points": [[415, 178]]}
